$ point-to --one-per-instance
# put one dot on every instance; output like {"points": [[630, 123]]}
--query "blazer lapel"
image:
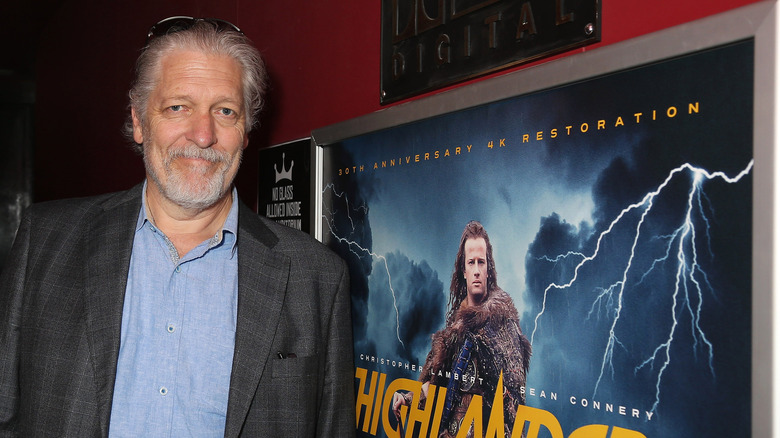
{"points": [[262, 284], [110, 243]]}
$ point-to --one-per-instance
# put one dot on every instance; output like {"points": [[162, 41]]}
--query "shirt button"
{"points": [[171, 328], [178, 269], [163, 390]]}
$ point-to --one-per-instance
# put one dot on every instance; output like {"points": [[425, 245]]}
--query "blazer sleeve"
{"points": [[12, 282], [337, 410]]}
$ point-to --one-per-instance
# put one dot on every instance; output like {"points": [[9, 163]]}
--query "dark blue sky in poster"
{"points": [[619, 210]]}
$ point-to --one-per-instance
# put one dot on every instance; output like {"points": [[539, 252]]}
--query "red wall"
{"points": [[323, 59]]}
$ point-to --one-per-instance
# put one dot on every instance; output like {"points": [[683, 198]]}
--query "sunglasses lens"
{"points": [[222, 25], [170, 25], [177, 24]]}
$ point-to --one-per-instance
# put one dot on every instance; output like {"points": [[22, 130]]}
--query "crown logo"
{"points": [[284, 173]]}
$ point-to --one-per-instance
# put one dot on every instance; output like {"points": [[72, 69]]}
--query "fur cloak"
{"points": [[499, 346]]}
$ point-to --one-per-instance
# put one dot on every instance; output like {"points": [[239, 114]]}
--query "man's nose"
{"points": [[202, 131]]}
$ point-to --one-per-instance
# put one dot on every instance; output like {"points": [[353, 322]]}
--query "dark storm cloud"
{"points": [[346, 215], [418, 294], [637, 280]]}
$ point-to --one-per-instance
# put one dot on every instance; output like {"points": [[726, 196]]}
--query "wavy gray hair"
{"points": [[202, 37]]}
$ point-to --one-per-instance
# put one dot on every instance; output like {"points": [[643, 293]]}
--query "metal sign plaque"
{"points": [[427, 44]]}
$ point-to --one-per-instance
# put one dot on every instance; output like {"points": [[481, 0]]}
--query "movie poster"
{"points": [[619, 214]]}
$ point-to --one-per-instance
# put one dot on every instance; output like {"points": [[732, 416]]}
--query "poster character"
{"points": [[480, 341]]}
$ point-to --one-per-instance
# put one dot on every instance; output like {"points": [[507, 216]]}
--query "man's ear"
{"points": [[138, 133]]}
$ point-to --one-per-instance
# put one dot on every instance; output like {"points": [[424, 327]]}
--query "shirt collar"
{"points": [[230, 225]]}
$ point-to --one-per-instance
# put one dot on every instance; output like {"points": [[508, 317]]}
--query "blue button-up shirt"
{"points": [[178, 331]]}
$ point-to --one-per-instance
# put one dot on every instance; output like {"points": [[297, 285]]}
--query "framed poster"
{"points": [[623, 201]]}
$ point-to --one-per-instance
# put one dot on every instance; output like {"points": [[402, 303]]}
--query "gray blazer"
{"points": [[61, 297]]}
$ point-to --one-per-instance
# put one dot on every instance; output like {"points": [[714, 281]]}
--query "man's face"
{"points": [[476, 270], [194, 132]]}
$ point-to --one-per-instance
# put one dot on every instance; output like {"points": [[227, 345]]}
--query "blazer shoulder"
{"points": [[63, 223], [66, 211]]}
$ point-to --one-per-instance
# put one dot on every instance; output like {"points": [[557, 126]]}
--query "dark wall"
{"points": [[323, 59]]}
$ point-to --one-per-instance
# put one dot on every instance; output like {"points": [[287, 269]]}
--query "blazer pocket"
{"points": [[294, 367]]}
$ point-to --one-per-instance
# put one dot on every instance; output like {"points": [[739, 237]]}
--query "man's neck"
{"points": [[186, 228]]}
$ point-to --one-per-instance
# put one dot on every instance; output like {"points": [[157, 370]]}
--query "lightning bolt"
{"points": [[355, 247], [690, 279]]}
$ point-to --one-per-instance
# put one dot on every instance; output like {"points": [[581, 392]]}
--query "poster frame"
{"points": [[757, 21]]}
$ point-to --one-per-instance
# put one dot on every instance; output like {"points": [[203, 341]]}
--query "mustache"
{"points": [[193, 151]]}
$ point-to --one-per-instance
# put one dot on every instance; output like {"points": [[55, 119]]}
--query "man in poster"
{"points": [[481, 341]]}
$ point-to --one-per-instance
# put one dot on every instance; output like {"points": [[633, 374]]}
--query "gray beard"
{"points": [[177, 190]]}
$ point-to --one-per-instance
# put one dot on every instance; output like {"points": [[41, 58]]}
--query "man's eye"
{"points": [[227, 112], [176, 108]]}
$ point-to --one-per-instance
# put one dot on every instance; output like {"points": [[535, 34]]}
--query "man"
{"points": [[481, 342], [172, 309]]}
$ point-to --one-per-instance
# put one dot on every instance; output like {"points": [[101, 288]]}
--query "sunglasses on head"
{"points": [[179, 23]]}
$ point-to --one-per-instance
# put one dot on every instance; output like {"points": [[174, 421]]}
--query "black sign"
{"points": [[427, 44], [284, 186]]}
